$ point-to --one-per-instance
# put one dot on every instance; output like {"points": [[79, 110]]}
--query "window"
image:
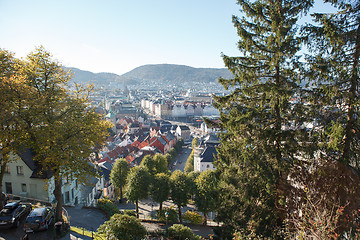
{"points": [[8, 187], [23, 187], [7, 169], [67, 196], [19, 170], [72, 193], [207, 166]]}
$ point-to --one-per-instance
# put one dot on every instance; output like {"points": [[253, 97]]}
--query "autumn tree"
{"points": [[119, 174], [261, 125], [60, 125], [179, 190], [160, 189], [207, 192], [14, 93], [137, 185]]}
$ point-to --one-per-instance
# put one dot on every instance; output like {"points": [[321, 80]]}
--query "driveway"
{"points": [[88, 218]]}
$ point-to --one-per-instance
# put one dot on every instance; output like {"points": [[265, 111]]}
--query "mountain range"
{"points": [[169, 73]]}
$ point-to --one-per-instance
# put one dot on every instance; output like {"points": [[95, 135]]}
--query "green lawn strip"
{"points": [[87, 233]]}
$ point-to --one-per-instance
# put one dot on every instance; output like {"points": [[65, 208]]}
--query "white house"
{"points": [[24, 177], [205, 154]]}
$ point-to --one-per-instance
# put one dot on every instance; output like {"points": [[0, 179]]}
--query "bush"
{"points": [[128, 212], [172, 217], [123, 227], [192, 217], [180, 232], [108, 206]]}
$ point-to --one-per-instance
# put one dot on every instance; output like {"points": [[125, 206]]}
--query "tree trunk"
{"points": [[121, 195], [350, 118], [137, 208], [160, 208], [179, 210], [205, 218], [58, 196]]}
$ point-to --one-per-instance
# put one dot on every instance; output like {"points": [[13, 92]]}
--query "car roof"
{"points": [[38, 211], [12, 205]]}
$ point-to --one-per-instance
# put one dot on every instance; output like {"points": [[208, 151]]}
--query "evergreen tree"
{"points": [[334, 67], [260, 123]]}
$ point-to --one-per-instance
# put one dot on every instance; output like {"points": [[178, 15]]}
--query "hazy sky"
{"points": [[117, 35]]}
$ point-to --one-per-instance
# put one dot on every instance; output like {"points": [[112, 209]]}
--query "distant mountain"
{"points": [[155, 73], [87, 77], [177, 73]]}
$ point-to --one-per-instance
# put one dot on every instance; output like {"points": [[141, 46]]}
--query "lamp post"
{"points": [[151, 214], [166, 228]]}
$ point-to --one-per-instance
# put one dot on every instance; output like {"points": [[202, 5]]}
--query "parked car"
{"points": [[39, 219], [13, 213]]}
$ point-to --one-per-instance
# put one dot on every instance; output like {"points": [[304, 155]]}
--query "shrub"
{"points": [[180, 232], [192, 217], [129, 213], [172, 217], [123, 227], [108, 206]]}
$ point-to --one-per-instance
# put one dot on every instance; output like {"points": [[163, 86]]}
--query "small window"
{"points": [[23, 187], [7, 169], [207, 166], [19, 170]]}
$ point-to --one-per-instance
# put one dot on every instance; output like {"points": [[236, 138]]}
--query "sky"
{"points": [[119, 35]]}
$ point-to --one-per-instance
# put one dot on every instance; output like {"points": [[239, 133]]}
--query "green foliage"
{"points": [[180, 232], [108, 206], [172, 214], [334, 70], [207, 194], [128, 212], [172, 152], [160, 163], [194, 143], [180, 190], [259, 122], [192, 176], [137, 185], [178, 146], [192, 217], [160, 188], [189, 165], [123, 227], [119, 174], [60, 126]]}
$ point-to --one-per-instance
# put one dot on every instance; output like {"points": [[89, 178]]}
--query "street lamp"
{"points": [[151, 214], [166, 216]]}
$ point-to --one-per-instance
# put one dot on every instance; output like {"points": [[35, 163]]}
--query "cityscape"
{"points": [[117, 121]]}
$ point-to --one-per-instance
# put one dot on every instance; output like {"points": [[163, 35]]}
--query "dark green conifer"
{"points": [[260, 118], [335, 46]]}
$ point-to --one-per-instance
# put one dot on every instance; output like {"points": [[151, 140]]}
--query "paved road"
{"points": [[88, 218], [181, 158]]}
